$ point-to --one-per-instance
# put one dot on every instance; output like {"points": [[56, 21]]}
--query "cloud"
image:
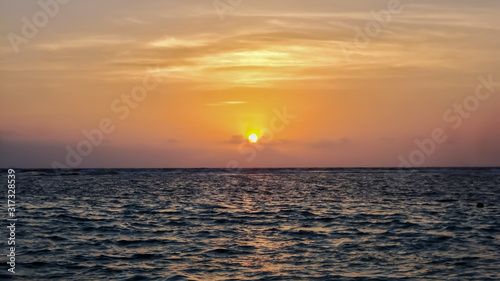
{"points": [[236, 139], [330, 143], [173, 42], [129, 21], [9, 135], [41, 154], [225, 103], [432, 49], [6, 133], [266, 44]]}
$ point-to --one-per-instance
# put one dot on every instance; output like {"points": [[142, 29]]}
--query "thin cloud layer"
{"points": [[344, 68]]}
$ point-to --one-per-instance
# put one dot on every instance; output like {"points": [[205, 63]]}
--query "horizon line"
{"points": [[248, 168]]}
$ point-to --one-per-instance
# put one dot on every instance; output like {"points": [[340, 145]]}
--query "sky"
{"points": [[140, 84]]}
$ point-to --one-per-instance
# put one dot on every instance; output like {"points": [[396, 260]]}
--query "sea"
{"points": [[257, 224]]}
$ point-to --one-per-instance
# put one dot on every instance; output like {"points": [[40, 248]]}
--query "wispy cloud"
{"points": [[330, 143], [223, 78], [225, 103], [236, 139]]}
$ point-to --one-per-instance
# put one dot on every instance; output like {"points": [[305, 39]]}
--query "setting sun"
{"points": [[253, 138]]}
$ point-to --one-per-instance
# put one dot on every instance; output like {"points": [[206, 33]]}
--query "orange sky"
{"points": [[183, 85]]}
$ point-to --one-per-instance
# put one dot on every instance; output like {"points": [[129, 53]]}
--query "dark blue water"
{"points": [[265, 224]]}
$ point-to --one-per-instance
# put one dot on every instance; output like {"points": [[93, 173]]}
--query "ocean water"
{"points": [[258, 224]]}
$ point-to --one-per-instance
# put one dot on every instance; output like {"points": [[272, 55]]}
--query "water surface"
{"points": [[259, 224]]}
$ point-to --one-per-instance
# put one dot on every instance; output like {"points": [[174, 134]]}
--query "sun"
{"points": [[253, 138]]}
